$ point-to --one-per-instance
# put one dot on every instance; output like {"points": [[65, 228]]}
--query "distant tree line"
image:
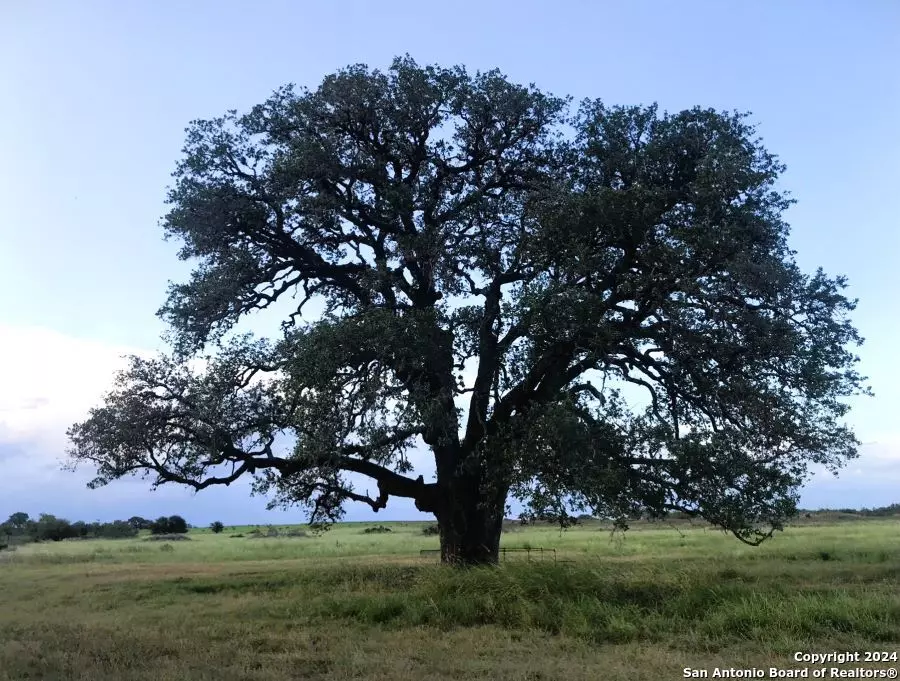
{"points": [[878, 512], [174, 524], [47, 527]]}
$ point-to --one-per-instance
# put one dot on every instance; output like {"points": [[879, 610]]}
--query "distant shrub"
{"points": [[177, 525], [237, 536], [168, 537], [160, 525], [139, 523], [82, 529], [50, 528], [378, 529], [167, 547], [216, 527], [174, 524], [431, 530], [118, 529]]}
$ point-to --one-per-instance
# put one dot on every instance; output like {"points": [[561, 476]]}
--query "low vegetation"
{"points": [[168, 537], [21, 528], [349, 604], [174, 524]]}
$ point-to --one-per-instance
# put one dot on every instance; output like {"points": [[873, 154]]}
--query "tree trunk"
{"points": [[470, 527]]}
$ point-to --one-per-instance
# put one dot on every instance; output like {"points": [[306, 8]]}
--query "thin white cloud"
{"points": [[51, 380], [877, 462]]}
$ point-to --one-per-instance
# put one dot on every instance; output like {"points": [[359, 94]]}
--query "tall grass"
{"points": [[311, 607]]}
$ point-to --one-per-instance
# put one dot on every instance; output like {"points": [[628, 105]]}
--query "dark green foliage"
{"points": [[50, 528], [118, 529], [174, 524], [177, 525], [16, 525], [452, 224], [216, 527], [431, 530], [881, 512], [17, 522], [139, 523], [378, 529], [82, 530], [889, 511], [160, 525]]}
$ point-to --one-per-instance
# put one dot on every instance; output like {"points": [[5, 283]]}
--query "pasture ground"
{"points": [[350, 605]]}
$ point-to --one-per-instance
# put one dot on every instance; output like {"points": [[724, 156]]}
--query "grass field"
{"points": [[350, 605]]}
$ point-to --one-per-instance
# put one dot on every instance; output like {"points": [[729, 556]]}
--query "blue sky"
{"points": [[96, 96]]}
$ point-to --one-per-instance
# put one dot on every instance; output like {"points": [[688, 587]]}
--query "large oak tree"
{"points": [[495, 274]]}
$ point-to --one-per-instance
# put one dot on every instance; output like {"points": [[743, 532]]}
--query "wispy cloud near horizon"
{"points": [[51, 380]]}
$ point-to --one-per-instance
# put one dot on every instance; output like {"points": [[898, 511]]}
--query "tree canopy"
{"points": [[173, 524], [496, 272]]}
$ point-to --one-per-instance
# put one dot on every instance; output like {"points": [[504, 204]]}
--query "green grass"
{"points": [[350, 605]]}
